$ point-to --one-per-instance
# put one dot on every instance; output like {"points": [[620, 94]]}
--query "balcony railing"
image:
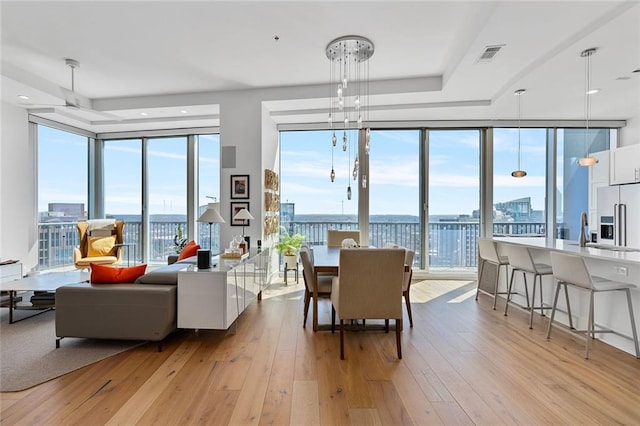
{"points": [[451, 244]]}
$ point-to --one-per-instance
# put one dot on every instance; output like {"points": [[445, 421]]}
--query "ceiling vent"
{"points": [[489, 53]]}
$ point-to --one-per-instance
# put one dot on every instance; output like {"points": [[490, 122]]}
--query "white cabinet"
{"points": [[10, 272], [625, 165]]}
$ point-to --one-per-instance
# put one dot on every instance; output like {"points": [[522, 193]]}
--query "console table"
{"points": [[214, 298]]}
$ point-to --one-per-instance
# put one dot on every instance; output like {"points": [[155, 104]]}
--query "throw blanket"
{"points": [[100, 224]]}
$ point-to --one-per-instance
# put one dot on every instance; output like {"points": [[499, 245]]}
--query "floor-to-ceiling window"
{"points": [[122, 183], [454, 199], [167, 194], [519, 202], [63, 171], [394, 189]]}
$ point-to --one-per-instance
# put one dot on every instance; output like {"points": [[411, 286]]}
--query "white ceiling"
{"points": [[166, 57]]}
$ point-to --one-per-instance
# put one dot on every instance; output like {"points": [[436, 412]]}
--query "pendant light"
{"points": [[519, 173], [587, 160]]}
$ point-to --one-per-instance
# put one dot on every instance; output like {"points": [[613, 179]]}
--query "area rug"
{"points": [[28, 354]]}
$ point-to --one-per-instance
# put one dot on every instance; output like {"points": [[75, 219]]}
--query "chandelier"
{"points": [[519, 172], [349, 95], [587, 160]]}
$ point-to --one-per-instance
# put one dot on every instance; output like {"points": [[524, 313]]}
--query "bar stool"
{"points": [[489, 254], [521, 259], [571, 270]]}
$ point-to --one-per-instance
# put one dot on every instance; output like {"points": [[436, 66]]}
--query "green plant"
{"points": [[289, 244], [179, 241]]}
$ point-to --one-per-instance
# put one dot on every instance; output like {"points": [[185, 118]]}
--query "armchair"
{"points": [[369, 286], [98, 243]]}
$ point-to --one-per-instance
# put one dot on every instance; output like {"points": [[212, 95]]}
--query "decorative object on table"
{"points": [[519, 172], [349, 243], [211, 215], [289, 246], [204, 259], [179, 240], [239, 186], [235, 251], [245, 216], [587, 160]]}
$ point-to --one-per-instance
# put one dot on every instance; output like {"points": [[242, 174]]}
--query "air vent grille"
{"points": [[489, 53]]}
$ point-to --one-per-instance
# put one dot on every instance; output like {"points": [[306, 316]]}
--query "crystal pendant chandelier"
{"points": [[519, 173], [587, 160], [349, 93]]}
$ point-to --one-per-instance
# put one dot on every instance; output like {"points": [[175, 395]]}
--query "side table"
{"points": [[295, 270], [128, 247]]}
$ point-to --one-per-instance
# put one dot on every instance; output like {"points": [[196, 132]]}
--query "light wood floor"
{"points": [[463, 364]]}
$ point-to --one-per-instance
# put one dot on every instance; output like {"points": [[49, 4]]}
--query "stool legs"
{"points": [[633, 323]]}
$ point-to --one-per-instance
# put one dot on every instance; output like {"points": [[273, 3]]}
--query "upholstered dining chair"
{"points": [[408, 275], [323, 283], [369, 286], [99, 243], [335, 236]]}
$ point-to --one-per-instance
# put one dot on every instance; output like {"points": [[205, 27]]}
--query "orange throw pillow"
{"points": [[104, 274], [191, 249]]}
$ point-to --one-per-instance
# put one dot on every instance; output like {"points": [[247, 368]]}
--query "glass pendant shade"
{"points": [[587, 161], [349, 192], [333, 175]]}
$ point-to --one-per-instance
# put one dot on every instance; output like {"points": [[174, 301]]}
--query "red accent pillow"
{"points": [[191, 249], [105, 274]]}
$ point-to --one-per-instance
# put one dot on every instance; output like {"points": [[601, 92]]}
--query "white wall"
{"points": [[18, 229], [630, 134]]}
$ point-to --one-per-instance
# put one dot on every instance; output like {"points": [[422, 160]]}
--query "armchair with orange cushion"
{"points": [[99, 241]]}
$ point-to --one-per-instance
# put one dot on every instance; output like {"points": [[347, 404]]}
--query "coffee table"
{"points": [[42, 282]]}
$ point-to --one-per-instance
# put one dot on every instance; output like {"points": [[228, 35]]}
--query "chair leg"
{"points": [[406, 299], [553, 309], [495, 290], [479, 278], [307, 298], [341, 338], [398, 339], [386, 326], [589, 326], [634, 332], [533, 302], [566, 296], [333, 319], [541, 298], [506, 304]]}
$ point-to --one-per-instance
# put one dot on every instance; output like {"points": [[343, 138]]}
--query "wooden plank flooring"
{"points": [[463, 364]]}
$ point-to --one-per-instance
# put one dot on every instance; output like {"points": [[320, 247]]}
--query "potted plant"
{"points": [[288, 246], [179, 241]]}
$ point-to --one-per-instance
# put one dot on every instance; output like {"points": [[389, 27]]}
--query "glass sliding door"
{"points": [[519, 203], [453, 200], [208, 188], [394, 189], [167, 194], [122, 171], [63, 174]]}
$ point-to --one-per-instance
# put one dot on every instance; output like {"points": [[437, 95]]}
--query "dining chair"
{"points": [[489, 254], [571, 270], [369, 286], [408, 275], [336, 236], [521, 260], [323, 283]]}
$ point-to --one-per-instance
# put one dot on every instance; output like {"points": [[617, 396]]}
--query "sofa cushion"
{"points": [[191, 249], [104, 274], [101, 246], [167, 274]]}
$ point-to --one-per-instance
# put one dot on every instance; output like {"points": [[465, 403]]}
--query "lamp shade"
{"points": [[211, 215], [243, 214]]}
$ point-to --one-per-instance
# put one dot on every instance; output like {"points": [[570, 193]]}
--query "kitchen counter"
{"points": [[611, 310]]}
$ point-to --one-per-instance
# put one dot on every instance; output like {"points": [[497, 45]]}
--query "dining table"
{"points": [[325, 260]]}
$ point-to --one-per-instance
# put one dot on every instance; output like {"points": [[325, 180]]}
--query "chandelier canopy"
{"points": [[349, 94]]}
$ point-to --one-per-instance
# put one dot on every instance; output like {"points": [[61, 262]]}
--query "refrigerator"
{"points": [[619, 215]]}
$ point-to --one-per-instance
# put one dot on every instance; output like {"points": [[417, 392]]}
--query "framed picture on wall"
{"points": [[235, 208], [240, 186]]}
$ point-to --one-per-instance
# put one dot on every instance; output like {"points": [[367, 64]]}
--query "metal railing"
{"points": [[451, 244]]}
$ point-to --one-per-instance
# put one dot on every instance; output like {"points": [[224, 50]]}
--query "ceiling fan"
{"points": [[75, 101]]}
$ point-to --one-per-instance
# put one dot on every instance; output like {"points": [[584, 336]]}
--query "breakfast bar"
{"points": [[614, 263]]}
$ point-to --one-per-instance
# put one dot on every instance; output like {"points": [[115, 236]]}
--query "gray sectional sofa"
{"points": [[143, 310]]}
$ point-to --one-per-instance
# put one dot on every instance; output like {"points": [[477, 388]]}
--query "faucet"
{"points": [[583, 229]]}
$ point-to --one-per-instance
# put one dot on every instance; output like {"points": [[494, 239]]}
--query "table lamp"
{"points": [[211, 216], [243, 215]]}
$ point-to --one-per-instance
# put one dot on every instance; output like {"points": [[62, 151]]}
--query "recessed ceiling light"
{"points": [[184, 111], [25, 97], [624, 77], [593, 91], [144, 114]]}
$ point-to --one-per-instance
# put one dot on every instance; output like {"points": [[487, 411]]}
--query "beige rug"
{"points": [[28, 354]]}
